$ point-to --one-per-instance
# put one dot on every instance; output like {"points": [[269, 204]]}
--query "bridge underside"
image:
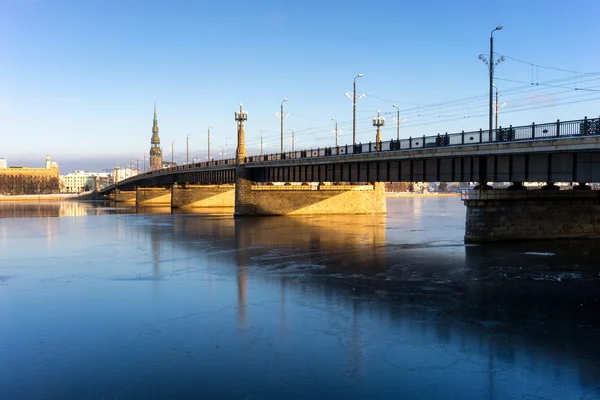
{"points": [[537, 167]]}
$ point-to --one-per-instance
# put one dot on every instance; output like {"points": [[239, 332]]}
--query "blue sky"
{"points": [[79, 77]]}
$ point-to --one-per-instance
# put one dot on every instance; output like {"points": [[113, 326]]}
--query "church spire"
{"points": [[155, 150], [155, 121]]}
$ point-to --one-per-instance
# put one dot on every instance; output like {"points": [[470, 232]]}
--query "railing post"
{"points": [[423, 144], [410, 142], [462, 137], [369, 146], [533, 130], [480, 135], [585, 125], [557, 127], [346, 149]]}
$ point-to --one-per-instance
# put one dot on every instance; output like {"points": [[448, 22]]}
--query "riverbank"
{"points": [[40, 197]]}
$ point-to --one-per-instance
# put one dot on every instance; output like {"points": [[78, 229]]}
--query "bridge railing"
{"points": [[558, 129], [179, 168]]}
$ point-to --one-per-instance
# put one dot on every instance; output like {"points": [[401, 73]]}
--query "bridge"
{"points": [[350, 179]]}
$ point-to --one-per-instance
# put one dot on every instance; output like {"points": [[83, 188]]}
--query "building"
{"points": [[155, 150], [83, 181], [124, 173], [3, 163], [25, 180]]}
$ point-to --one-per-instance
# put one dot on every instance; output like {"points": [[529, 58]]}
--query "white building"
{"points": [[124, 173], [3, 163], [80, 181]]}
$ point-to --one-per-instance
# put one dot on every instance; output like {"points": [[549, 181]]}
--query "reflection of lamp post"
{"points": [[378, 122], [354, 108], [398, 121], [491, 64], [208, 156]]}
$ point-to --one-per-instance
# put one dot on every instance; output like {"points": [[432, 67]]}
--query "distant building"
{"points": [[155, 150], [124, 173], [3, 163], [25, 180], [83, 181]]}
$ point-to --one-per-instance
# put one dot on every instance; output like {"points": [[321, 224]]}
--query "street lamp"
{"points": [[497, 107], [292, 139], [491, 64], [208, 156], [281, 117], [172, 147], [398, 121], [354, 108], [187, 149], [337, 132], [378, 122]]}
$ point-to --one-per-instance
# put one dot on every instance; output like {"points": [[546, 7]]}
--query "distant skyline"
{"points": [[80, 78]]}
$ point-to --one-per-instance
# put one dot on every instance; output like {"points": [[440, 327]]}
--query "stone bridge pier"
{"points": [[153, 197], [125, 196], [519, 214], [200, 196]]}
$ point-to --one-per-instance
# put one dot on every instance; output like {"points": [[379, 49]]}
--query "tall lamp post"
{"points": [[398, 121], [293, 139], [491, 65], [282, 116], [187, 149], [497, 106], [378, 122], [354, 108], [208, 155], [172, 147], [336, 133]]}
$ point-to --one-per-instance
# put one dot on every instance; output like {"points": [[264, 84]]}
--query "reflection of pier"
{"points": [[487, 301]]}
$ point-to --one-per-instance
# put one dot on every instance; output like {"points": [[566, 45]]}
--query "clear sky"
{"points": [[78, 78]]}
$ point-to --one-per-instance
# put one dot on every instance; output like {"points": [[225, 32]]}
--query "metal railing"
{"points": [[558, 129], [180, 168]]}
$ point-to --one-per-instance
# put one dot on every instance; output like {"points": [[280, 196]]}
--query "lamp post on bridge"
{"points": [[282, 115], [240, 117], [497, 106], [172, 147], [292, 139], [398, 121], [492, 66], [187, 149], [208, 155], [378, 122], [354, 107]]}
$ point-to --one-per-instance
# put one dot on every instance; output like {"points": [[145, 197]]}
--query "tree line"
{"points": [[19, 184]]}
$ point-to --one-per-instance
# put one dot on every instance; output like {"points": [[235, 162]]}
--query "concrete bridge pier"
{"points": [[153, 197], [198, 196], [324, 198], [503, 215], [125, 196]]}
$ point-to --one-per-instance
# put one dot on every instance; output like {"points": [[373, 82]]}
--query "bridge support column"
{"points": [[296, 199], [198, 196], [125, 196], [502, 215], [153, 197]]}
